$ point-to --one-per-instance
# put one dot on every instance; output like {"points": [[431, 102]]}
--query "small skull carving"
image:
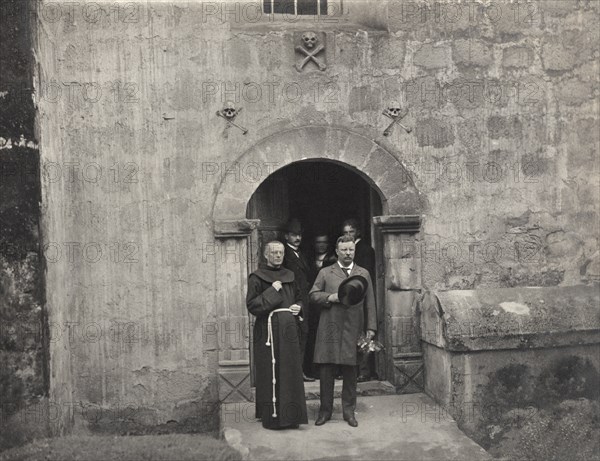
{"points": [[229, 110], [394, 109], [309, 39]]}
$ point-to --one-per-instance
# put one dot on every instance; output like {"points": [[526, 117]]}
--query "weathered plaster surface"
{"points": [[163, 77]]}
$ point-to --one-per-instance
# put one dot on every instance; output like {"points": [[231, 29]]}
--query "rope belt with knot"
{"points": [[269, 343]]}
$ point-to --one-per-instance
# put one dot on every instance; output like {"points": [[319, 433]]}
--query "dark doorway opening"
{"points": [[321, 194]]}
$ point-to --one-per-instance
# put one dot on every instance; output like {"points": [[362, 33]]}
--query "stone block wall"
{"points": [[501, 95], [502, 152], [517, 368]]}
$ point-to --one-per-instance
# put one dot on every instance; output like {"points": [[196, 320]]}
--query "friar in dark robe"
{"points": [[270, 288]]}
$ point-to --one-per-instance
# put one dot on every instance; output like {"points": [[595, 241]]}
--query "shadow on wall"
{"points": [[23, 344], [553, 416]]}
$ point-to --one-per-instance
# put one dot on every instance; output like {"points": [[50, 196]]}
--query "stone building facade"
{"points": [[149, 227]]}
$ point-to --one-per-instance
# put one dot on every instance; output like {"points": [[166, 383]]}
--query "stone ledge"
{"points": [[511, 318], [398, 223], [235, 227]]}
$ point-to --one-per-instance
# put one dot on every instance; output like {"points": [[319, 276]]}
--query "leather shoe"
{"points": [[308, 379], [362, 379], [322, 420], [352, 421]]}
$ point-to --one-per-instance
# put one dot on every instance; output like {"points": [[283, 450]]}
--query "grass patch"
{"points": [[20, 426], [144, 447], [568, 431]]}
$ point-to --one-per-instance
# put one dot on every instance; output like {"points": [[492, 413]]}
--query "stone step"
{"points": [[368, 388], [400, 427]]}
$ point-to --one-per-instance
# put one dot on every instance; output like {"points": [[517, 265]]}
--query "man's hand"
{"points": [[370, 335], [277, 285], [295, 309], [333, 298]]}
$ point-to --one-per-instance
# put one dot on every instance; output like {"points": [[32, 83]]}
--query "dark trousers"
{"points": [[327, 380]]}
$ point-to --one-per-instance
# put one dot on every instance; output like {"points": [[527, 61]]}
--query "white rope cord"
{"points": [[269, 343]]}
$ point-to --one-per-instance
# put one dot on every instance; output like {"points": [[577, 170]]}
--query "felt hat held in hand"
{"points": [[353, 290]]}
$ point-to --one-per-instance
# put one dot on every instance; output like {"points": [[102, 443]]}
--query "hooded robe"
{"points": [[261, 299]]}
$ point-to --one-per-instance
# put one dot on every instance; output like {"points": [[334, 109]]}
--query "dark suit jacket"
{"points": [[330, 258], [302, 271], [364, 256]]}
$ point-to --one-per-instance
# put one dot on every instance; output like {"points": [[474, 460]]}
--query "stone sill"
{"points": [[511, 318], [520, 341], [304, 24]]}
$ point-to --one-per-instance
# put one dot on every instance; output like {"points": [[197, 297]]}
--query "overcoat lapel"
{"points": [[337, 270]]}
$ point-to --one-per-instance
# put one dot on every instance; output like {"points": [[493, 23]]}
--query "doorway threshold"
{"points": [[367, 388]]}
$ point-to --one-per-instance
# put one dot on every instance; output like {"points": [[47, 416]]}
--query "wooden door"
{"points": [[270, 204]]}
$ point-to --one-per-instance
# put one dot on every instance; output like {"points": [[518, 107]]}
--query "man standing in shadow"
{"points": [[320, 258], [296, 261]]}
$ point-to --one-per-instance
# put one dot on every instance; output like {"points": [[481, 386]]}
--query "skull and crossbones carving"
{"points": [[229, 113], [396, 113], [394, 110], [310, 39], [229, 110], [310, 49]]}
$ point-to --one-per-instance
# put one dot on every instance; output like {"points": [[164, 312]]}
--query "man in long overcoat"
{"points": [[364, 256], [339, 328], [273, 287]]}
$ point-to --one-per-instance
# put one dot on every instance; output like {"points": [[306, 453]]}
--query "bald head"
{"points": [[274, 253]]}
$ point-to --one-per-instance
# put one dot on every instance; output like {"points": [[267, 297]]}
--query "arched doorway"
{"points": [[322, 195], [396, 230]]}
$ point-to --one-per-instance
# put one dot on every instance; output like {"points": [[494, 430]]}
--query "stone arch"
{"points": [[380, 168], [399, 227]]}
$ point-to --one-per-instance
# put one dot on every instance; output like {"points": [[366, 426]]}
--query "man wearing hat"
{"points": [[296, 261], [364, 256], [343, 291]]}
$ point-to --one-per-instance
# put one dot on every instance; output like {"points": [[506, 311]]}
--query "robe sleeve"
{"points": [[259, 302], [317, 293]]}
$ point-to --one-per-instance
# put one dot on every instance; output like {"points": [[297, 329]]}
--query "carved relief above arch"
{"points": [[380, 168]]}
